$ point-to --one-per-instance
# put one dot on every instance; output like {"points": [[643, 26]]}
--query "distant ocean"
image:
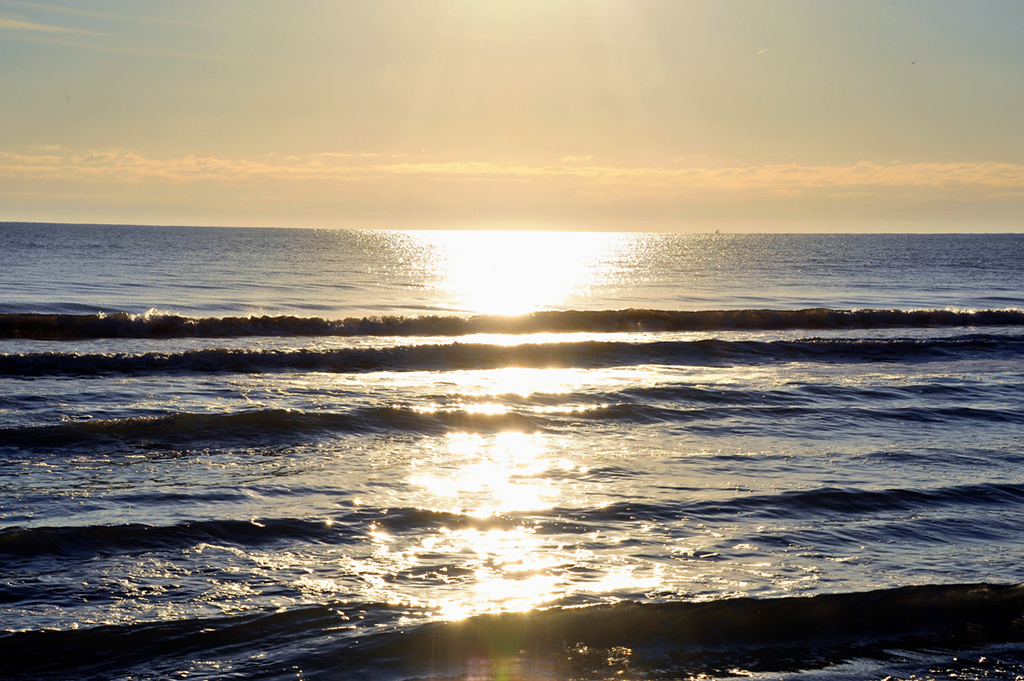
{"points": [[301, 454]]}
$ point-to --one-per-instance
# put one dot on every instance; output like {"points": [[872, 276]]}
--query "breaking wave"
{"points": [[659, 640], [156, 325], [469, 356]]}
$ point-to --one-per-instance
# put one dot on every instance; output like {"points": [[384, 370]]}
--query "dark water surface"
{"points": [[270, 454]]}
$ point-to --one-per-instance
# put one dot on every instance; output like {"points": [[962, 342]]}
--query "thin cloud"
{"points": [[15, 25], [25, 36], [778, 179], [71, 11]]}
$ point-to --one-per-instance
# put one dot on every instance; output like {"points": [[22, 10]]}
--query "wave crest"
{"points": [[473, 356], [659, 640], [153, 324]]}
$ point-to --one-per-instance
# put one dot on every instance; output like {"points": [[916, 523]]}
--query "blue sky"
{"points": [[677, 115]]}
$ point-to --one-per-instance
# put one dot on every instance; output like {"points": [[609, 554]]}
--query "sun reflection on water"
{"points": [[483, 476], [497, 558]]}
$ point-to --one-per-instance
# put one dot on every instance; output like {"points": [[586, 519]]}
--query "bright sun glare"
{"points": [[509, 273]]}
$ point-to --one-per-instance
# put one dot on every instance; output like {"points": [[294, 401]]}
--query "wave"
{"points": [[157, 325], [257, 427], [469, 356], [801, 504], [103, 539], [659, 640], [84, 541], [347, 526], [714, 637], [28, 543], [283, 427]]}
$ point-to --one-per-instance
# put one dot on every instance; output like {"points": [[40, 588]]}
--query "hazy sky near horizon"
{"points": [[682, 114]]}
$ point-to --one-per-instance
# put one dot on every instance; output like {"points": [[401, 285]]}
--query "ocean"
{"points": [[316, 454]]}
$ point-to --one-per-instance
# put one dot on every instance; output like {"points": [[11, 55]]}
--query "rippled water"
{"points": [[273, 454]]}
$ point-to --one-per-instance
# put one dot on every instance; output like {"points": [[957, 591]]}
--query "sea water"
{"points": [[281, 454]]}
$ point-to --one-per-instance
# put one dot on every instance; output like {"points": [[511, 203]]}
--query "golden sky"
{"points": [[675, 115]]}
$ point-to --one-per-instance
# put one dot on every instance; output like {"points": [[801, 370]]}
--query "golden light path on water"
{"points": [[501, 483], [509, 273], [495, 500], [512, 569]]}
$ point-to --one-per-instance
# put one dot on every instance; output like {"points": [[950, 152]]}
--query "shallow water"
{"points": [[282, 453]]}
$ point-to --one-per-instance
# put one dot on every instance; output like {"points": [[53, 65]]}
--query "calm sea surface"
{"points": [[289, 454]]}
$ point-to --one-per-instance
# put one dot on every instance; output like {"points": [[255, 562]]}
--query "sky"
{"points": [[680, 115]]}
